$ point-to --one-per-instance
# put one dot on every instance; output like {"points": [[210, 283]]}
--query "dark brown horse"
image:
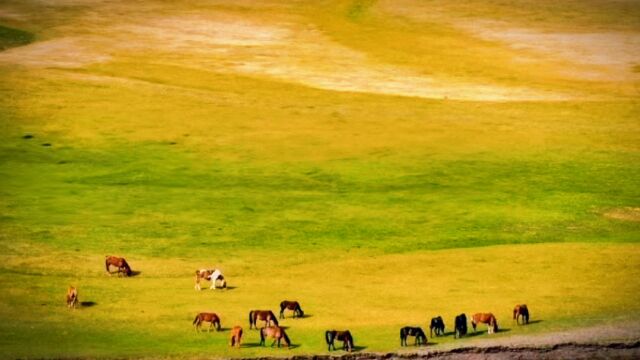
{"points": [[291, 305], [437, 324], [120, 263], [236, 336], [72, 297], [211, 318], [521, 310], [265, 315], [344, 336], [421, 338], [485, 318], [275, 332]]}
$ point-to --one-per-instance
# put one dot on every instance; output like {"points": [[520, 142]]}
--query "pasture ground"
{"points": [[382, 162]]}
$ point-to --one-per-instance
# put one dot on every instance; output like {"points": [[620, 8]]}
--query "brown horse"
{"points": [[291, 305], [120, 263], [485, 318], [213, 275], [275, 332], [344, 336], [236, 336], [265, 315], [72, 297], [211, 318], [521, 310]]}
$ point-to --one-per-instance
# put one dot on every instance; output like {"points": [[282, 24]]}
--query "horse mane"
{"points": [[126, 266], [349, 339], [286, 338]]}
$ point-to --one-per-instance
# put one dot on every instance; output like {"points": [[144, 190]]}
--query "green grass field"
{"points": [[382, 162]]}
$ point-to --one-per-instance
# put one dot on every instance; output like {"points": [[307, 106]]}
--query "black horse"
{"points": [[437, 324], [344, 336], [461, 326], [421, 338]]}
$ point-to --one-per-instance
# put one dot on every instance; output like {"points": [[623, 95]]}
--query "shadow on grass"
{"points": [[88, 303], [223, 329], [268, 346], [533, 322], [501, 330], [359, 348], [134, 273]]}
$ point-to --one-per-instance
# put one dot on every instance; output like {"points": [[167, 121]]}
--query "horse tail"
{"points": [[515, 312], [495, 324], [250, 319], [106, 262], [349, 341], [196, 321], [328, 335]]}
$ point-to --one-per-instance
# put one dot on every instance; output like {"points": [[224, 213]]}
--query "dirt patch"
{"points": [[626, 214], [600, 55], [64, 53]]}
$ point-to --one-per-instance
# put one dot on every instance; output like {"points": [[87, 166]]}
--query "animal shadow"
{"points": [[358, 348], [472, 334], [88, 303], [135, 273], [534, 322], [500, 330], [222, 329]]}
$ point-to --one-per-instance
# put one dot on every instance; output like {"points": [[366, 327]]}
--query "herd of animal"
{"points": [[272, 330]]}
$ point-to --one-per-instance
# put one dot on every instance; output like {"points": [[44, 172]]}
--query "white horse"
{"points": [[213, 275]]}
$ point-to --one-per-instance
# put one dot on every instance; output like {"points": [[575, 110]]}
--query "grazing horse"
{"points": [[211, 318], [291, 305], [120, 263], [437, 324], [213, 275], [72, 297], [236, 336], [485, 318], [460, 326], [344, 336], [265, 315], [521, 310], [421, 338], [275, 332]]}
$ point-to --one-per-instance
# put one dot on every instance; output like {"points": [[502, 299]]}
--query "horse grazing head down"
{"points": [[72, 297], [485, 318], [460, 326]]}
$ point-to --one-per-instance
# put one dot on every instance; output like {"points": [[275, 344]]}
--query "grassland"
{"points": [[378, 161]]}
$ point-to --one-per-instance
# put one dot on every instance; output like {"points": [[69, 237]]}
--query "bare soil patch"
{"points": [[626, 214]]}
